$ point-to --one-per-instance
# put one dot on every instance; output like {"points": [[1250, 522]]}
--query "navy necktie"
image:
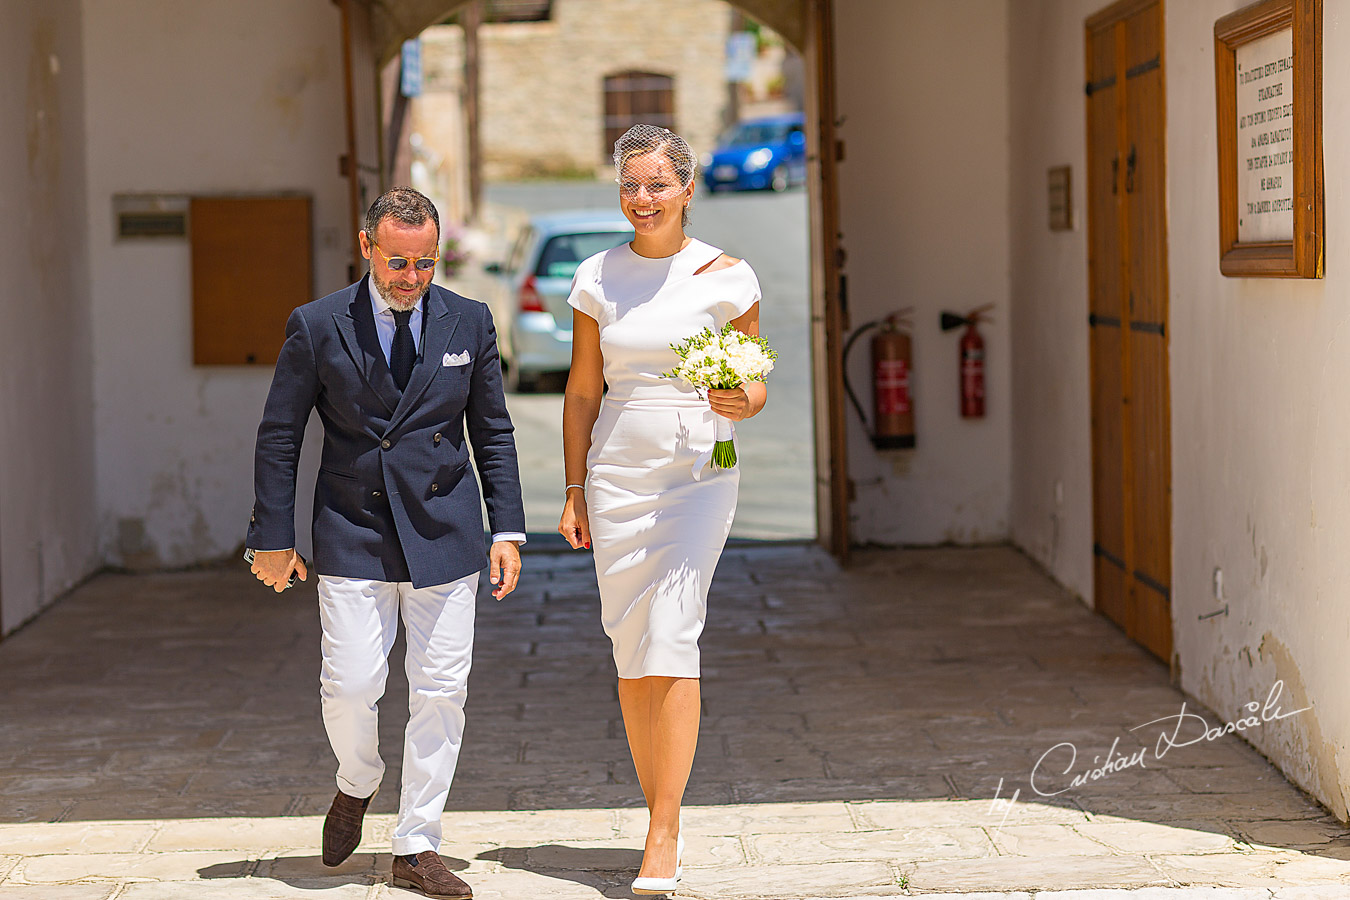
{"points": [[403, 353]]}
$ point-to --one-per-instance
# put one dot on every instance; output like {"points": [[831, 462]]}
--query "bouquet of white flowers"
{"points": [[722, 361]]}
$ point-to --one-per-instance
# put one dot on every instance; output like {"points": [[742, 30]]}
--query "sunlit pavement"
{"points": [[160, 738]]}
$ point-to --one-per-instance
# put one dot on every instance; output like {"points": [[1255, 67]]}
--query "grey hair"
{"points": [[402, 204]]}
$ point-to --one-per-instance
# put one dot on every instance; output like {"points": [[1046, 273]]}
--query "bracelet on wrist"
{"points": [[570, 486]]}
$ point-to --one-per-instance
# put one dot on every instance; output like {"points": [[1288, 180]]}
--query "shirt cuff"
{"points": [[516, 536]]}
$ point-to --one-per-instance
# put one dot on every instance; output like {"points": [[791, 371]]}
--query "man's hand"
{"points": [[505, 556], [274, 567]]}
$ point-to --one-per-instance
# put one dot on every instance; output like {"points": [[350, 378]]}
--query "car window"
{"points": [[517, 257], [756, 133], [564, 252]]}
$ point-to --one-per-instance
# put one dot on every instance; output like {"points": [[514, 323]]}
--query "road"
{"points": [[777, 500]]}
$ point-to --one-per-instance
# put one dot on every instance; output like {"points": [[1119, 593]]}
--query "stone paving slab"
{"points": [[71, 837], [868, 733], [245, 889], [1037, 872], [59, 892]]}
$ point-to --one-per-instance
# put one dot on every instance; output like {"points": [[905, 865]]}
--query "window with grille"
{"points": [[496, 12], [633, 97], [518, 10]]}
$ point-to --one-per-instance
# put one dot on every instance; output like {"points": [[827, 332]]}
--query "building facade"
{"points": [[554, 91]]}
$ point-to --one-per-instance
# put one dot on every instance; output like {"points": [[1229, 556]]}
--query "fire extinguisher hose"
{"points": [[848, 388]]}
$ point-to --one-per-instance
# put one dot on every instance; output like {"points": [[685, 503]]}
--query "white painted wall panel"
{"points": [[924, 213], [187, 97], [47, 499], [1051, 515]]}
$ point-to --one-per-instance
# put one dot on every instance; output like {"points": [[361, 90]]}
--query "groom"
{"points": [[398, 369]]}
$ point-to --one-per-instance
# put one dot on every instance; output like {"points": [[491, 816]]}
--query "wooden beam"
{"points": [[470, 17], [828, 316], [350, 165]]}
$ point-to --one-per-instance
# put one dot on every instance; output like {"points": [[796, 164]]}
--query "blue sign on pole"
{"points": [[741, 51], [411, 83]]}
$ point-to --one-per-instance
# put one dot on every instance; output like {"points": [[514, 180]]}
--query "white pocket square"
{"points": [[456, 359]]}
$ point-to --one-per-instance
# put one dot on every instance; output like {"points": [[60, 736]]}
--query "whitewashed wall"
{"points": [[198, 98], [1261, 435], [1051, 429], [924, 213], [47, 499], [1260, 379]]}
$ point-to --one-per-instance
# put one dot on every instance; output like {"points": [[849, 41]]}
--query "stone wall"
{"points": [[543, 82]]}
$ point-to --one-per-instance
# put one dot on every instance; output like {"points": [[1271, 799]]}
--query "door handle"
{"points": [[1115, 173], [1129, 170]]}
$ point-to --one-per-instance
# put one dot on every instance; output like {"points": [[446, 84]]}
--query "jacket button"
{"points": [[435, 487], [436, 438], [385, 444], [374, 493]]}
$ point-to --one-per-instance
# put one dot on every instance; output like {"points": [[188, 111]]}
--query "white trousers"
{"points": [[360, 621]]}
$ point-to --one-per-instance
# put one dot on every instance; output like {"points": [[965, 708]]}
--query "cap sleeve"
{"points": [[582, 297], [743, 293]]}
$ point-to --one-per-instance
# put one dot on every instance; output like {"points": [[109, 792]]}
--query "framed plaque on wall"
{"points": [[1268, 75]]}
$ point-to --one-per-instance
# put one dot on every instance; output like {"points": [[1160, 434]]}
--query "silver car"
{"points": [[529, 299]]}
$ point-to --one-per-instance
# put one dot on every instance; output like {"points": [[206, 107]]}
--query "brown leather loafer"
{"points": [[426, 872], [342, 827]]}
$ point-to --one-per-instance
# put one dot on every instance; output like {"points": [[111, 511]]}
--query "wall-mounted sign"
{"points": [[1268, 74], [1265, 138], [1060, 198], [140, 216], [410, 69], [742, 48]]}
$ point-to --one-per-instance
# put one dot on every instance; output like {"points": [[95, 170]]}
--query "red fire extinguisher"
{"points": [[972, 359], [892, 363]]}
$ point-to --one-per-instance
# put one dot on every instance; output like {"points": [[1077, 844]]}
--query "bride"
{"points": [[638, 486]]}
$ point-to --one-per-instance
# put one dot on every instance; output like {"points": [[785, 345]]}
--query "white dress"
{"points": [[658, 517]]}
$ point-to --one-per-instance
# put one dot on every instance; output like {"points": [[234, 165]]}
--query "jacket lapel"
{"points": [[357, 328], [437, 329]]}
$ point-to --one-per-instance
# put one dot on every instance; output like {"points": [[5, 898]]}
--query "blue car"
{"points": [[759, 153]]}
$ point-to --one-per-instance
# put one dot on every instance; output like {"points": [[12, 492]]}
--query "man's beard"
{"points": [[397, 301]]}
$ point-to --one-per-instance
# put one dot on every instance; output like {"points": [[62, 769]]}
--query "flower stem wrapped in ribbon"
{"points": [[722, 361]]}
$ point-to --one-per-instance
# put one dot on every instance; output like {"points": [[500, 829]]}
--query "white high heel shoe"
{"points": [[647, 885]]}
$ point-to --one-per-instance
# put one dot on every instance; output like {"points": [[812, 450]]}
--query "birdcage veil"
{"points": [[645, 153]]}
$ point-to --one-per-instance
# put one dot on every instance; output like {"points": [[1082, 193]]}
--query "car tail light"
{"points": [[528, 296]]}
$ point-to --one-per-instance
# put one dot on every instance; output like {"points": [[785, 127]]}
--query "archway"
{"points": [[379, 29]]}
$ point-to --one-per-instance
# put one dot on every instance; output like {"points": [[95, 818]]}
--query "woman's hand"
{"points": [[574, 525], [733, 404]]}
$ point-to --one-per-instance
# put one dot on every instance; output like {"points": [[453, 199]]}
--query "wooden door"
{"points": [[632, 98], [1127, 319]]}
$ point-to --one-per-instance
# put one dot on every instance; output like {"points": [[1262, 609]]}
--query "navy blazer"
{"points": [[394, 499]]}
